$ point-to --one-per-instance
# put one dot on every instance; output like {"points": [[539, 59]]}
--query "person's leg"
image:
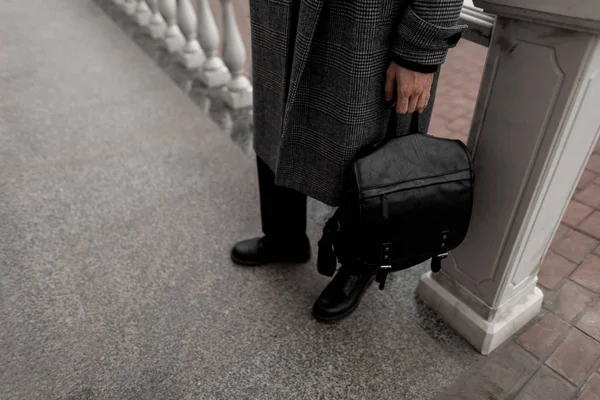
{"points": [[283, 210], [283, 214], [343, 293]]}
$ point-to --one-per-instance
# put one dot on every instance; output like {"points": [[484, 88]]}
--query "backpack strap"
{"points": [[392, 127], [327, 261]]}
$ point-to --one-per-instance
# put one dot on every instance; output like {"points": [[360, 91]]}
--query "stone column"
{"points": [[535, 125]]}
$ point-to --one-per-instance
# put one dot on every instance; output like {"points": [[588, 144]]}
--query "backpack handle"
{"points": [[393, 122]]}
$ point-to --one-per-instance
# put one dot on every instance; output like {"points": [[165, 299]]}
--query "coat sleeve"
{"points": [[426, 31]]}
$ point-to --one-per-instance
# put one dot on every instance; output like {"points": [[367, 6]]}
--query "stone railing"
{"points": [[480, 24], [189, 31]]}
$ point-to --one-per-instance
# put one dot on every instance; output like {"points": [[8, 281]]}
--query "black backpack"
{"points": [[406, 199]]}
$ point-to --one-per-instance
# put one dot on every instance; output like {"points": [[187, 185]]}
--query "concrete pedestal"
{"points": [[191, 60], [143, 14], [214, 73], [191, 56], [173, 40], [130, 6], [157, 26], [535, 125], [237, 99]]}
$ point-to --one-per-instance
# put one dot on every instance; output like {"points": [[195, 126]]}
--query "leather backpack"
{"points": [[406, 199]]}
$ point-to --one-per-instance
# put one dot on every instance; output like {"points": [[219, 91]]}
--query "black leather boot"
{"points": [[265, 250], [343, 294]]}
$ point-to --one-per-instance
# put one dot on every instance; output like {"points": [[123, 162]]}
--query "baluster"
{"points": [[238, 93], [129, 6], [192, 55], [213, 72], [173, 39], [142, 13], [157, 24]]}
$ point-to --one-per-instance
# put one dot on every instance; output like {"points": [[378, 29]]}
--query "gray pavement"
{"points": [[119, 201]]}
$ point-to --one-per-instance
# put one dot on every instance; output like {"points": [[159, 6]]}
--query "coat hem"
{"points": [[332, 201]]}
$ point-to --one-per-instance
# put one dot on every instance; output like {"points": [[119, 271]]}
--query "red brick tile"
{"points": [[546, 292], [591, 225], [463, 112], [460, 125], [576, 213], [575, 246], [586, 178], [438, 128], [539, 339], [468, 102], [472, 92], [588, 274], [500, 375], [553, 269], [560, 232], [575, 357], [569, 301], [442, 93], [443, 111], [590, 195], [590, 321], [592, 389], [546, 384], [594, 163]]}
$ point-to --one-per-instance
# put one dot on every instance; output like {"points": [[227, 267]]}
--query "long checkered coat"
{"points": [[319, 71]]}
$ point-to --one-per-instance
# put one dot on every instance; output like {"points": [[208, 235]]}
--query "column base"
{"points": [[237, 100], [156, 31], [191, 60], [214, 78], [173, 43], [485, 335]]}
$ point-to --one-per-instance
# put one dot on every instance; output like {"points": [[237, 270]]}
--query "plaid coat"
{"points": [[318, 74]]}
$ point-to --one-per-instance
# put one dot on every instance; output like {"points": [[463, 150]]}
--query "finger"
{"points": [[402, 105], [412, 103], [422, 102], [390, 84], [403, 100]]}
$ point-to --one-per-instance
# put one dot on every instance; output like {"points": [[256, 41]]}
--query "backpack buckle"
{"points": [[436, 261], [386, 265]]}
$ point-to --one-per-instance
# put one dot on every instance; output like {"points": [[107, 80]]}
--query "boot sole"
{"points": [[337, 318], [247, 263]]}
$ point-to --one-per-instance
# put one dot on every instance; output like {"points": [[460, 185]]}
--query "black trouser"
{"points": [[283, 211]]}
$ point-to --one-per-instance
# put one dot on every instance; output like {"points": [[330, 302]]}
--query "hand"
{"points": [[412, 88]]}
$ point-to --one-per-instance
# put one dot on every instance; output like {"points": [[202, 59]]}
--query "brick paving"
{"points": [[557, 355]]}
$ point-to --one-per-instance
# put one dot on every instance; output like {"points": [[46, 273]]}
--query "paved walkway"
{"points": [[119, 200]]}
